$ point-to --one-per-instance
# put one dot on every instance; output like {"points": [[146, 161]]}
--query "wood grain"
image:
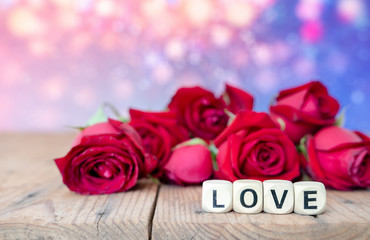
{"points": [[34, 203], [178, 215]]}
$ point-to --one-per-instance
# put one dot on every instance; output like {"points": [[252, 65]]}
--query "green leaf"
{"points": [[193, 141], [154, 179], [214, 151], [230, 115], [226, 98], [341, 119], [306, 177], [98, 117], [101, 116], [281, 123], [124, 120], [302, 146], [80, 128], [115, 112]]}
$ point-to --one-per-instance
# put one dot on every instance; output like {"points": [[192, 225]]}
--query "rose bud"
{"points": [[159, 132], [304, 110], [189, 164], [339, 158], [253, 147], [203, 114], [105, 158]]}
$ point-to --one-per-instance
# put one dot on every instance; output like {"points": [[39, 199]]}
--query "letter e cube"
{"points": [[310, 197]]}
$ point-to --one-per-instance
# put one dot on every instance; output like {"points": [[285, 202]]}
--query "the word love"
{"points": [[271, 196]]}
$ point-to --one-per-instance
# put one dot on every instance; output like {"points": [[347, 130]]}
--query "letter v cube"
{"points": [[247, 196], [278, 196], [217, 196], [310, 197]]}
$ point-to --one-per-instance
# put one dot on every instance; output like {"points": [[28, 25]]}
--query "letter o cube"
{"points": [[247, 196], [217, 196], [278, 196], [310, 198]]}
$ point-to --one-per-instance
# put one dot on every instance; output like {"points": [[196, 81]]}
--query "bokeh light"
{"points": [[60, 59]]}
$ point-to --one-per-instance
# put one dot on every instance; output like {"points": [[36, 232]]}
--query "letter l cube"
{"points": [[217, 196]]}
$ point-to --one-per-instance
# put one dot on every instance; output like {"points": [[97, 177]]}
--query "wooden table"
{"points": [[34, 204]]}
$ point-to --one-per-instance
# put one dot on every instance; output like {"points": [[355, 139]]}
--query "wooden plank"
{"points": [[178, 215], [34, 203]]}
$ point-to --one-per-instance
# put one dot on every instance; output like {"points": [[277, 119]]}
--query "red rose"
{"points": [[100, 164], [159, 132], [187, 165], [146, 161], [203, 114], [199, 111], [105, 158], [339, 158], [253, 147], [304, 110]]}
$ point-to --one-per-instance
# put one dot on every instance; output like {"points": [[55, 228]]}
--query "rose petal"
{"points": [[225, 170], [246, 120], [96, 129], [333, 136], [239, 99]]}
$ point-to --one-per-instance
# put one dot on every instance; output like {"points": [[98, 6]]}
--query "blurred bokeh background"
{"points": [[60, 59]]}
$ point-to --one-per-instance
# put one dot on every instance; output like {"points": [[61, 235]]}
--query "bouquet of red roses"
{"points": [[202, 136]]}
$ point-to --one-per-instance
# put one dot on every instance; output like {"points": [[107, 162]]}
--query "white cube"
{"points": [[278, 196], [247, 196], [217, 196], [309, 197]]}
